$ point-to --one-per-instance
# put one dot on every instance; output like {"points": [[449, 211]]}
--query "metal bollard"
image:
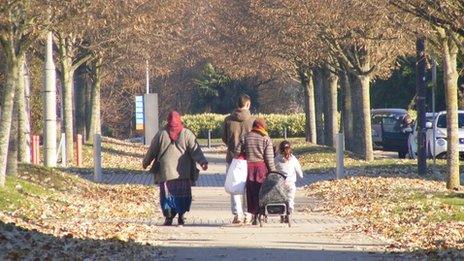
{"points": [[340, 147], [63, 150], [97, 173], [79, 150], [209, 139], [285, 133]]}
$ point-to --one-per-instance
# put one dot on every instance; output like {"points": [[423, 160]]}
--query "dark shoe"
{"points": [[236, 220], [286, 219], [181, 220], [167, 222], [254, 221]]}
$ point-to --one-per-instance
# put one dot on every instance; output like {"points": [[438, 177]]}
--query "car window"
{"points": [[391, 124], [441, 122], [377, 119]]}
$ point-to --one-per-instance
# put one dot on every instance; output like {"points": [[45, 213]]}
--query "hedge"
{"points": [[201, 123]]}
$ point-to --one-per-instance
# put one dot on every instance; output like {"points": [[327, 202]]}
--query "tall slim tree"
{"points": [[23, 116], [320, 100], [21, 23], [307, 83], [366, 47], [347, 112], [443, 22], [331, 110]]}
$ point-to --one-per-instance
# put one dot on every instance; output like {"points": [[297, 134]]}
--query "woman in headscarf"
{"points": [[258, 148], [174, 152]]}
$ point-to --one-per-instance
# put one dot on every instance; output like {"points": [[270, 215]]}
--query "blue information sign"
{"points": [[139, 116]]}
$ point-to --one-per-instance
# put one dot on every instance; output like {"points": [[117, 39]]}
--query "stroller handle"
{"points": [[283, 174]]}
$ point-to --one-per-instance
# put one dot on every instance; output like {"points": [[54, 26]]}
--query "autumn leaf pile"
{"points": [[411, 212], [117, 155], [53, 214]]}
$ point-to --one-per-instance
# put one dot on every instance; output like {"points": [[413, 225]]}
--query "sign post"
{"points": [[150, 116], [139, 117]]}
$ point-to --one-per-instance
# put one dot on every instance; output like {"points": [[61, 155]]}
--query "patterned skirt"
{"points": [[175, 197], [257, 172]]}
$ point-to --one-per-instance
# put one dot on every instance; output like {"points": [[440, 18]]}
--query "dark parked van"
{"points": [[387, 132]]}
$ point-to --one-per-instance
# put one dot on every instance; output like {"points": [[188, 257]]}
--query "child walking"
{"points": [[289, 164]]}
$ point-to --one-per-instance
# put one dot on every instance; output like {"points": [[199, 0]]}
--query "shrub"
{"points": [[201, 123]]}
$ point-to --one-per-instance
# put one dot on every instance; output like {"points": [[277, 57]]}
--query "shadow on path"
{"points": [[238, 253]]}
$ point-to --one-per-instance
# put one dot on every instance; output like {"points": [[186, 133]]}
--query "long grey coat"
{"points": [[179, 158]]}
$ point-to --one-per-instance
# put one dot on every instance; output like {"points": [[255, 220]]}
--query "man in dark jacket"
{"points": [[238, 123]]}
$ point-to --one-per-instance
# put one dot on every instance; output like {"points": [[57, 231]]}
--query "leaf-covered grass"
{"points": [[116, 154], [446, 207], [13, 195], [317, 159], [51, 205], [413, 213]]}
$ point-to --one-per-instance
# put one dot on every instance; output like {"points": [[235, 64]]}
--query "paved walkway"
{"points": [[209, 235], [214, 177]]}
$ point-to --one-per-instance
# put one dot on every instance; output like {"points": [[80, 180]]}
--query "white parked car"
{"points": [[441, 143]]}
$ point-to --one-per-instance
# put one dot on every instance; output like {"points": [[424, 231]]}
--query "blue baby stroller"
{"points": [[273, 198]]}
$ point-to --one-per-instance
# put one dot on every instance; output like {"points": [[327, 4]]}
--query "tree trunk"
{"points": [[67, 81], [23, 116], [347, 113], [80, 98], [12, 161], [450, 52], [306, 79], [67, 85], [7, 110], [311, 107], [88, 111], [319, 97], [327, 130], [362, 132], [95, 122], [331, 119]]}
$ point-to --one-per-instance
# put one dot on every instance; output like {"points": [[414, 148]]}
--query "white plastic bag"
{"points": [[236, 177]]}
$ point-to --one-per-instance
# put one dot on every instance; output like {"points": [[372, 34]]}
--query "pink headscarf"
{"points": [[174, 125]]}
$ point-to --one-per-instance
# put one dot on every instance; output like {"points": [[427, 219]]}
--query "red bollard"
{"points": [[79, 150], [37, 149], [33, 155]]}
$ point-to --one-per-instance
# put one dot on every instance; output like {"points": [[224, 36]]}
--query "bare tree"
{"points": [[445, 20], [21, 24]]}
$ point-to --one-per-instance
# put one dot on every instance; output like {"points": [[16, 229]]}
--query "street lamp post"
{"points": [[50, 105], [147, 72], [434, 88]]}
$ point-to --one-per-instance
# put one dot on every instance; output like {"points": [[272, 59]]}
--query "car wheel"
{"points": [[442, 155], [402, 154], [411, 153], [429, 151]]}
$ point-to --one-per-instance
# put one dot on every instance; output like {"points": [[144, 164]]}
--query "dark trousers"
{"points": [[257, 172]]}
